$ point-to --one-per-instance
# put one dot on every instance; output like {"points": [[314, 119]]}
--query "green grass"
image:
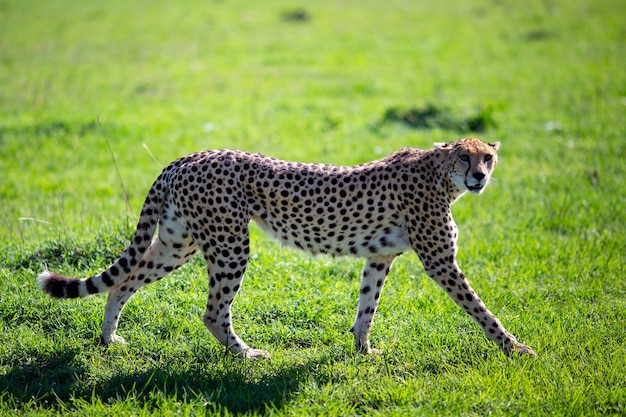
{"points": [[97, 97]]}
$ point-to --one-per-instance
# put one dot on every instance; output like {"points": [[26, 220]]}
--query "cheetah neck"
{"points": [[444, 184]]}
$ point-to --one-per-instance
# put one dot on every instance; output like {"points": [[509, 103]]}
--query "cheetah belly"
{"points": [[351, 239]]}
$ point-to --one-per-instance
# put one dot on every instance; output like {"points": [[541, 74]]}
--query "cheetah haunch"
{"points": [[376, 210]]}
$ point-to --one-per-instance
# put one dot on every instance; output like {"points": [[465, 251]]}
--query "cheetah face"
{"points": [[471, 163]]}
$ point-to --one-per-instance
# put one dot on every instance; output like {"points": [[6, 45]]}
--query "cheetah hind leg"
{"points": [[149, 271], [172, 249], [226, 266]]}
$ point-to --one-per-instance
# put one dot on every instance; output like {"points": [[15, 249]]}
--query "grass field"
{"points": [[97, 97]]}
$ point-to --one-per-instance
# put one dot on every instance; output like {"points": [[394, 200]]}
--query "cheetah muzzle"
{"points": [[377, 210]]}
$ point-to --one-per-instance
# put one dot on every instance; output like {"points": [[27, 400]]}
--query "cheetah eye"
{"points": [[488, 158], [464, 158]]}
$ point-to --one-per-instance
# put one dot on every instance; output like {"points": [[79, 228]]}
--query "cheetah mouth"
{"points": [[475, 188]]}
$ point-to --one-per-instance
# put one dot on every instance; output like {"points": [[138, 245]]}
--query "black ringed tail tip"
{"points": [[58, 286]]}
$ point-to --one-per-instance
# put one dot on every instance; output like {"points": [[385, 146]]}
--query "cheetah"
{"points": [[376, 210]]}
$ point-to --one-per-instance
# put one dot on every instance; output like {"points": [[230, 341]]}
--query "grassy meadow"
{"points": [[97, 97]]}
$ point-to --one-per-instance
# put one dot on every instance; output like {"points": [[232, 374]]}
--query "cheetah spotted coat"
{"points": [[377, 210]]}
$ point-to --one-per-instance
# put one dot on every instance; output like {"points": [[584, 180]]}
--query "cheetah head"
{"points": [[470, 163]]}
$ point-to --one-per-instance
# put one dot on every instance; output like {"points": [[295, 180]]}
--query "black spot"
{"points": [[365, 289], [91, 287], [123, 263], [107, 279], [72, 289]]}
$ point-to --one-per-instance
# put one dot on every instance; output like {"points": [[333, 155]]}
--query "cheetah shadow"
{"points": [[51, 380]]}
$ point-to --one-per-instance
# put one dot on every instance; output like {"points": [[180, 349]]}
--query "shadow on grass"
{"points": [[52, 380], [39, 377], [433, 116]]}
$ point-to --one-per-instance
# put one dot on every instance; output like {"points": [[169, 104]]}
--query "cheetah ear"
{"points": [[445, 147], [495, 145]]}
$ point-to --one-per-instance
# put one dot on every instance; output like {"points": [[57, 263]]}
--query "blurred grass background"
{"points": [[180, 77]]}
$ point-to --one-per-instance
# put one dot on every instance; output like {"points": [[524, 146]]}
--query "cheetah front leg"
{"points": [[453, 281], [373, 278], [437, 250]]}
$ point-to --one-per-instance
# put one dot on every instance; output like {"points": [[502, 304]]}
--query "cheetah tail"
{"points": [[60, 286]]}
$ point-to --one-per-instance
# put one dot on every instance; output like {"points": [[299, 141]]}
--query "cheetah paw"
{"points": [[520, 349], [111, 339], [365, 349], [254, 354]]}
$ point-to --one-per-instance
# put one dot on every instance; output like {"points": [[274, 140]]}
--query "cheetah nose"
{"points": [[478, 175]]}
